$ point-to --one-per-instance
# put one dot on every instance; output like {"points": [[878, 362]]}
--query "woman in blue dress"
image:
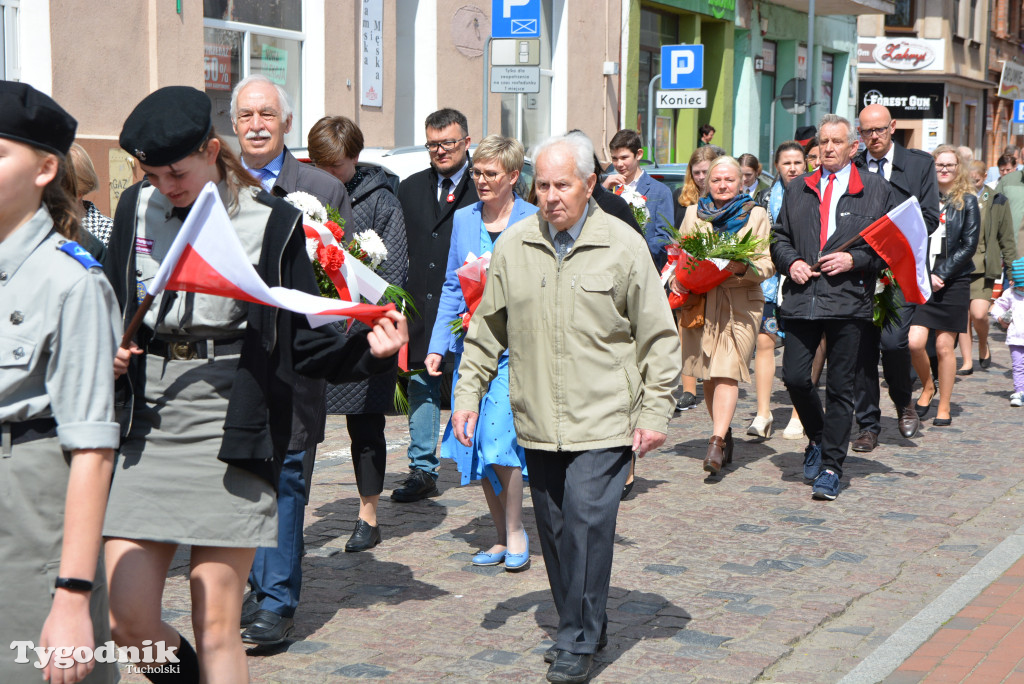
{"points": [[495, 456]]}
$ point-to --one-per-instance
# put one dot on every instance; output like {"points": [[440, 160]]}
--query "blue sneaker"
{"points": [[826, 486], [812, 461]]}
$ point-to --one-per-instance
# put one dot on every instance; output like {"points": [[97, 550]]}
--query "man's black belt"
{"points": [[196, 349]]}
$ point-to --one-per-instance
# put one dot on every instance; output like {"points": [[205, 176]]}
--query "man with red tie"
{"points": [[829, 291]]}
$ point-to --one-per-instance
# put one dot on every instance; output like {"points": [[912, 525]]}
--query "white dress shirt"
{"points": [[887, 167]]}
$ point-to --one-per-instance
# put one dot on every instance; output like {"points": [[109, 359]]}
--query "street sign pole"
{"points": [[487, 82], [650, 117]]}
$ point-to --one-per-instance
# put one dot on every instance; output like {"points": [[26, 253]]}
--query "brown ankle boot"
{"points": [[728, 446], [715, 456]]}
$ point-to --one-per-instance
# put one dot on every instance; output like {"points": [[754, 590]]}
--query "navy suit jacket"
{"points": [[659, 203], [465, 239]]}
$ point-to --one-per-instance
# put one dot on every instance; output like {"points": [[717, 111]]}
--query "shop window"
{"points": [[656, 29], [827, 65], [903, 16], [10, 64], [244, 37]]}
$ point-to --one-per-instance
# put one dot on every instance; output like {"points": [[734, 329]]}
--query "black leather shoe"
{"points": [[965, 371], [365, 536], [250, 606], [552, 653], [571, 668], [909, 421], [268, 629], [865, 442], [985, 363], [419, 485]]}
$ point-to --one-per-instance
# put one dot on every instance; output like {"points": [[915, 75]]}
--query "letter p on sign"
{"points": [[682, 67]]}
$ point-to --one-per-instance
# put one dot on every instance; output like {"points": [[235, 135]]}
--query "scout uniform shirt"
{"points": [[59, 329]]}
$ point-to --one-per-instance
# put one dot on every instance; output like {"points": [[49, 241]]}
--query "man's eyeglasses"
{"points": [[444, 145], [945, 167], [872, 132], [489, 176]]}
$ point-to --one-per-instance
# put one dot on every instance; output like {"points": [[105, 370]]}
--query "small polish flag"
{"points": [[207, 257], [901, 239]]}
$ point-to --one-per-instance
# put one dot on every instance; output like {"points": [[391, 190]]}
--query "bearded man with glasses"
{"points": [[429, 199], [911, 173]]}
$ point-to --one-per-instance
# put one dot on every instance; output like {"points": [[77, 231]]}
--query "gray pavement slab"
{"points": [[730, 579]]}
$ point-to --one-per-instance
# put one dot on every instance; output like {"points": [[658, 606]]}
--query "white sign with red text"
{"points": [[901, 54]]}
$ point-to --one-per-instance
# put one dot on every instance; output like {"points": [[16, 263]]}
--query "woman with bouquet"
{"points": [[334, 144], [720, 350], [495, 456], [694, 186], [951, 261]]}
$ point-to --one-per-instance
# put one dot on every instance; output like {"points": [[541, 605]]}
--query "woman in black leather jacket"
{"points": [[950, 257]]}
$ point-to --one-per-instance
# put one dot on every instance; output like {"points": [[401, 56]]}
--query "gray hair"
{"points": [[836, 120], [283, 101], [579, 147]]}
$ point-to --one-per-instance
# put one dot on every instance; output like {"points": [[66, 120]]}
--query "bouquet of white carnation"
{"points": [[637, 203]]}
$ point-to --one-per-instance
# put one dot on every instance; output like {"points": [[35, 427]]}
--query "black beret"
{"points": [[30, 117], [167, 126]]}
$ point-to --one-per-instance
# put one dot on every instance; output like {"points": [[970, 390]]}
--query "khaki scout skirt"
{"points": [[33, 482], [168, 484]]}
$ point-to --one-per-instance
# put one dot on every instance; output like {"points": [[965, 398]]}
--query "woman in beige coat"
{"points": [[721, 349]]}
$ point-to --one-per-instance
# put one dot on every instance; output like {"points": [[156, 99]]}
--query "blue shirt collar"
{"points": [[270, 172]]}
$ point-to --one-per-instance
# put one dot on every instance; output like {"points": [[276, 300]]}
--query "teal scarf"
{"points": [[731, 217]]}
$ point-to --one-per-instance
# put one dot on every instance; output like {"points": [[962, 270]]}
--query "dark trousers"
{"points": [[276, 575], [369, 451], [576, 500], [893, 343], [828, 426]]}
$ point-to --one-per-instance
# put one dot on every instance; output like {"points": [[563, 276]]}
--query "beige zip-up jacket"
{"points": [[593, 348]]}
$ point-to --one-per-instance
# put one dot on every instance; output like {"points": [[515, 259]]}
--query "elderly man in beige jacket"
{"points": [[593, 358]]}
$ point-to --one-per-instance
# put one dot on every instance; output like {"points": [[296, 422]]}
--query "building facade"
{"points": [[1005, 67], [384, 64], [927, 62]]}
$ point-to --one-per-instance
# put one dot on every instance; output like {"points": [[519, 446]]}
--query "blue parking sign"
{"points": [[682, 67], [515, 18], [1018, 111]]}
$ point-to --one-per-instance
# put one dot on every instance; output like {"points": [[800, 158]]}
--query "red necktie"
{"points": [[826, 204]]}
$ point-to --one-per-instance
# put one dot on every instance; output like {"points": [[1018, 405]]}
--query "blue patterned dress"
{"points": [[494, 441]]}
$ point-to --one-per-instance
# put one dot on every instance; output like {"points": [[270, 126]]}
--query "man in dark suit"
{"points": [[911, 173], [261, 115], [429, 198], [627, 151], [831, 295]]}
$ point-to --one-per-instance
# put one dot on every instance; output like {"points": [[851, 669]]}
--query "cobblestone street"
{"points": [[723, 580]]}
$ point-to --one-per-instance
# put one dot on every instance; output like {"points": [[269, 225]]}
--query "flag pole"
{"points": [[840, 248], [136, 321]]}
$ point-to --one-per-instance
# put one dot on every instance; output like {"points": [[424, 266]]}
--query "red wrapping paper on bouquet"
{"points": [[472, 279], [697, 276]]}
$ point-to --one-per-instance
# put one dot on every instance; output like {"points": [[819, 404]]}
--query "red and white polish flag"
{"points": [[207, 257], [901, 239]]}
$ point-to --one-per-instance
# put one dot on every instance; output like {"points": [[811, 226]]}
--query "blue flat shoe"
{"points": [[484, 558], [517, 562]]}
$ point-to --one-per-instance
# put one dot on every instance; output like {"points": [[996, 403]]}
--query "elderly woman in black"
{"points": [[950, 253]]}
